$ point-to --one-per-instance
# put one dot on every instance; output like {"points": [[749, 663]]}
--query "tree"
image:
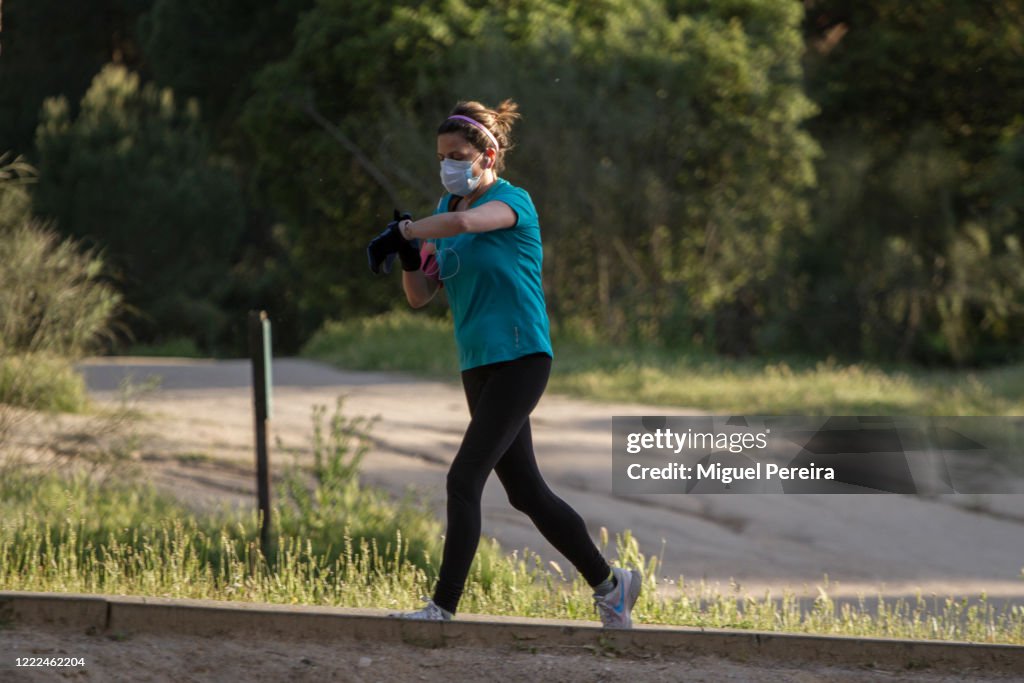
{"points": [[664, 151], [181, 39], [132, 173], [56, 304], [919, 102], [51, 48]]}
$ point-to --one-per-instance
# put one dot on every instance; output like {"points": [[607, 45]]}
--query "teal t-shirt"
{"points": [[493, 281]]}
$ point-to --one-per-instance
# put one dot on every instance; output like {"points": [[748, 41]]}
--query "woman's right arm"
{"points": [[419, 289]]}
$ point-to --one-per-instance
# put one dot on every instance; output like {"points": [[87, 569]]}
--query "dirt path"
{"points": [[189, 659], [198, 438]]}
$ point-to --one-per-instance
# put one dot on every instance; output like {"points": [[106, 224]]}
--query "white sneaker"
{"points": [[616, 607], [430, 612]]}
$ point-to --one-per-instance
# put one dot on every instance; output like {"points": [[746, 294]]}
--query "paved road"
{"points": [[200, 445]]}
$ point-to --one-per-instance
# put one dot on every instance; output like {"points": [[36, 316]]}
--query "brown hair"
{"points": [[498, 121]]}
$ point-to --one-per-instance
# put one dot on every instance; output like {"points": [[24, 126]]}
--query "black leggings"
{"points": [[501, 397]]}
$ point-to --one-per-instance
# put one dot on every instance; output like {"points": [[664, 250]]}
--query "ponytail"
{"points": [[497, 121]]}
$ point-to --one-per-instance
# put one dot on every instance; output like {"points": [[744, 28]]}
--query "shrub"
{"points": [[53, 298], [41, 382], [55, 305]]}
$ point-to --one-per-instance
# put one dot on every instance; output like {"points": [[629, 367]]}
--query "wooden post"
{"points": [[260, 352]]}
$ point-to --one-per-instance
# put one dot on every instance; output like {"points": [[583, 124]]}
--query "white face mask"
{"points": [[457, 176]]}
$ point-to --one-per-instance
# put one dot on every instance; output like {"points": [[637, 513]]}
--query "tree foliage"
{"points": [[132, 173], [921, 118], [211, 50], [664, 152], [53, 47], [54, 297], [825, 177]]}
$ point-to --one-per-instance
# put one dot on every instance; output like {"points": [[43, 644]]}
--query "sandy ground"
{"points": [[187, 659], [197, 434]]}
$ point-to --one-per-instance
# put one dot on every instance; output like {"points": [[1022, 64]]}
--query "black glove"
{"points": [[408, 250], [382, 249]]}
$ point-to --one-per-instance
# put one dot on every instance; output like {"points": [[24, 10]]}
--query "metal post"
{"points": [[260, 352]]}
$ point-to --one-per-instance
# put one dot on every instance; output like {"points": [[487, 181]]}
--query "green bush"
{"points": [[53, 298], [178, 347], [55, 305], [41, 382], [400, 340]]}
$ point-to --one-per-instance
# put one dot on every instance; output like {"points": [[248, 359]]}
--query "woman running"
{"points": [[483, 245]]}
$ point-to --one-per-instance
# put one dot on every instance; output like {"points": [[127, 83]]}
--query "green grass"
{"points": [[179, 347], [587, 368], [41, 381], [796, 388], [344, 544], [400, 341], [76, 536]]}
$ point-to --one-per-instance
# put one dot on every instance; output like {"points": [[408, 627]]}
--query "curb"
{"points": [[125, 615]]}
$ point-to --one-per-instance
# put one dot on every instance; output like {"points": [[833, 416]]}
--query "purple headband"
{"points": [[479, 125]]}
